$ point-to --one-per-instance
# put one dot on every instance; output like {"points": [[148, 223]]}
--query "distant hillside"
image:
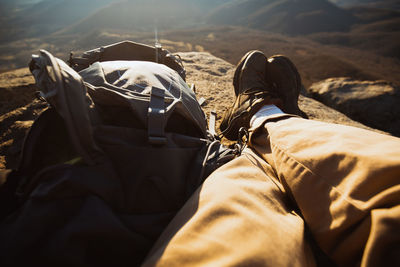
{"points": [[388, 4], [33, 18], [144, 15], [376, 30], [60, 13], [64, 25], [138, 15], [285, 16], [351, 2], [315, 61], [8, 5], [368, 14]]}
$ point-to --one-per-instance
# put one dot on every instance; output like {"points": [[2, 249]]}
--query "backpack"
{"points": [[122, 146]]}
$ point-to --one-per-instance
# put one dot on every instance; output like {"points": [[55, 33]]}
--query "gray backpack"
{"points": [[122, 146]]}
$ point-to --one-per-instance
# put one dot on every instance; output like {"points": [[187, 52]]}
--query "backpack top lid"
{"points": [[141, 85]]}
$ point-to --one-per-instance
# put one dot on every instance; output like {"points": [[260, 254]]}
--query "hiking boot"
{"points": [[259, 81], [252, 92], [238, 70], [285, 80]]}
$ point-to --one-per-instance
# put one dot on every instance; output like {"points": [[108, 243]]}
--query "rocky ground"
{"points": [[374, 103], [212, 77]]}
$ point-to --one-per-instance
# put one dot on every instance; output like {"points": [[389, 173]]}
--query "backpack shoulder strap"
{"points": [[65, 90]]}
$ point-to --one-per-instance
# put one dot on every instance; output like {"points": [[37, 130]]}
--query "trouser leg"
{"points": [[240, 216], [346, 183]]}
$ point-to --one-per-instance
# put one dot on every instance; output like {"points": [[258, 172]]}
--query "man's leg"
{"points": [[346, 183], [240, 216]]}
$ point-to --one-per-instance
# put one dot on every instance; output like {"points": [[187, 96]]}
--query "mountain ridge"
{"points": [[374, 37], [285, 16]]}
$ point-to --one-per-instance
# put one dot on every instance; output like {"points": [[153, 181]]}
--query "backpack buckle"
{"points": [[157, 140]]}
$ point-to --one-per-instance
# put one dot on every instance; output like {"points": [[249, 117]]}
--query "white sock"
{"points": [[264, 113]]}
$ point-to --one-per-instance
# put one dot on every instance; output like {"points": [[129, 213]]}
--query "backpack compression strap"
{"points": [[156, 117]]}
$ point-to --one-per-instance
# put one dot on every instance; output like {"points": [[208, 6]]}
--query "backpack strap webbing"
{"points": [[211, 124], [156, 117]]}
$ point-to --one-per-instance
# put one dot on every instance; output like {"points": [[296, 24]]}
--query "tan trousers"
{"points": [[341, 184]]}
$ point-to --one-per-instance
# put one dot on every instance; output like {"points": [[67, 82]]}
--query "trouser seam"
{"points": [[249, 155], [277, 183]]}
